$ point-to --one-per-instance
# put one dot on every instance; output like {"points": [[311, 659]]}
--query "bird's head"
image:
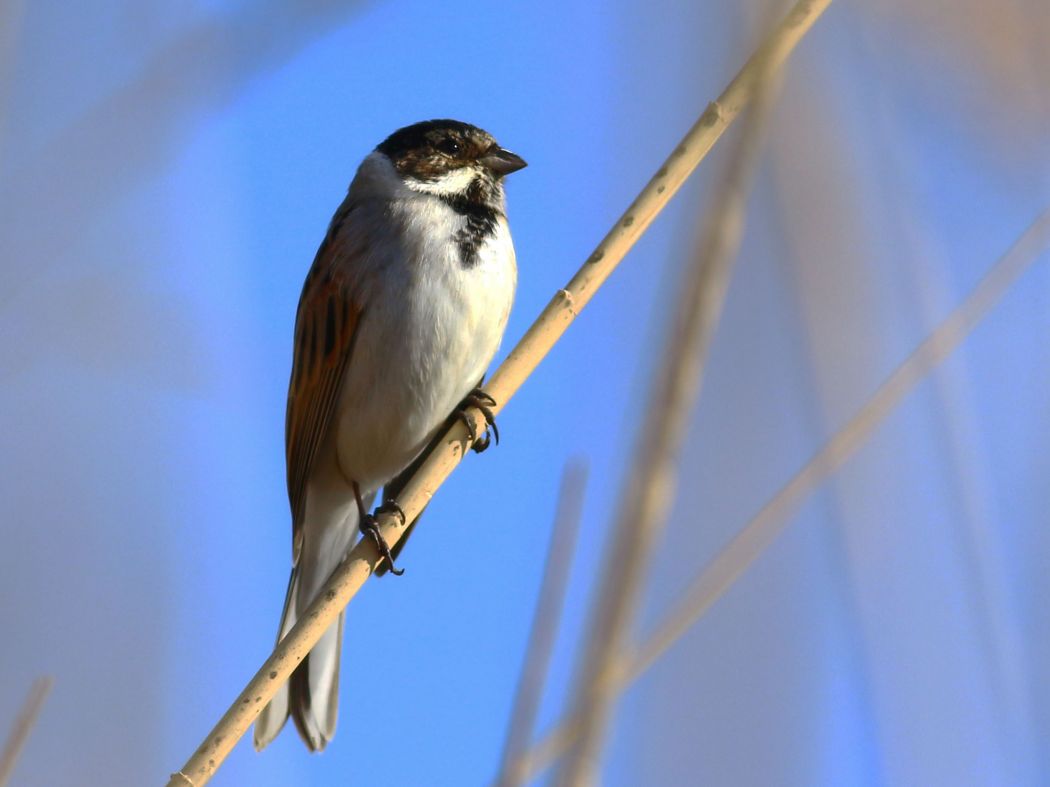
{"points": [[450, 159]]}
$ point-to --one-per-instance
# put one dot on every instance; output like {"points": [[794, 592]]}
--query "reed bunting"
{"points": [[400, 316]]}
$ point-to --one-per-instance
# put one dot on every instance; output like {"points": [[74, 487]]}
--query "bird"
{"points": [[400, 316]]}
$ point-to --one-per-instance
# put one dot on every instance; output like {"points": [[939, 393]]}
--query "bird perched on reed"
{"points": [[400, 316]]}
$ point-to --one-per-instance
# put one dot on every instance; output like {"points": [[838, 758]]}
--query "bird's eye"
{"points": [[449, 146]]}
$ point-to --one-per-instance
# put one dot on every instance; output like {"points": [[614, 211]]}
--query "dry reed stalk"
{"points": [[544, 623], [23, 725], [769, 522], [523, 359], [653, 477]]}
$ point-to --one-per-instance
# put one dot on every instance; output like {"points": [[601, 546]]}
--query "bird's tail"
{"points": [[311, 696]]}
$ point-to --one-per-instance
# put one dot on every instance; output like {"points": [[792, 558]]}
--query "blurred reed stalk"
{"points": [[653, 476], [522, 361], [771, 519], [23, 725], [926, 274], [560, 552]]}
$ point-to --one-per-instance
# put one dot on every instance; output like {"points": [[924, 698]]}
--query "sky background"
{"points": [[166, 173]]}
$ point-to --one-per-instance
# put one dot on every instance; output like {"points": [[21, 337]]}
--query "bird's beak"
{"points": [[502, 162]]}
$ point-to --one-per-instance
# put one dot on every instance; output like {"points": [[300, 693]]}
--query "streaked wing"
{"points": [[325, 327]]}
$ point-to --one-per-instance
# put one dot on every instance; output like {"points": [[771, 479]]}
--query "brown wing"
{"points": [[325, 327]]}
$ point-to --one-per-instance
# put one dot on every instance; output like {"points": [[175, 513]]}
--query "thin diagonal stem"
{"points": [[23, 725]]}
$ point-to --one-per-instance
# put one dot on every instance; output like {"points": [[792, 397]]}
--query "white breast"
{"points": [[428, 332]]}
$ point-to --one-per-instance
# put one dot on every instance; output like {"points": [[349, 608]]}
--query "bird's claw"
{"points": [[484, 403], [370, 527], [391, 507]]}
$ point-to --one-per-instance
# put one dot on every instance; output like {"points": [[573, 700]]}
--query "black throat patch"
{"points": [[481, 221]]}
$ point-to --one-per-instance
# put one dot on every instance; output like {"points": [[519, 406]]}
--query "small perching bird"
{"points": [[400, 316]]}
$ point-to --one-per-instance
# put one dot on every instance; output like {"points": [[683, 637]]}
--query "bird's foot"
{"points": [[483, 402], [391, 507], [370, 527]]}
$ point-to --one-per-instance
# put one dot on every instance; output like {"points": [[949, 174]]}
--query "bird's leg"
{"points": [[483, 402], [368, 526]]}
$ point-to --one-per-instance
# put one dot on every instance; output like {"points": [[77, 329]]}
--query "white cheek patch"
{"points": [[455, 182]]}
